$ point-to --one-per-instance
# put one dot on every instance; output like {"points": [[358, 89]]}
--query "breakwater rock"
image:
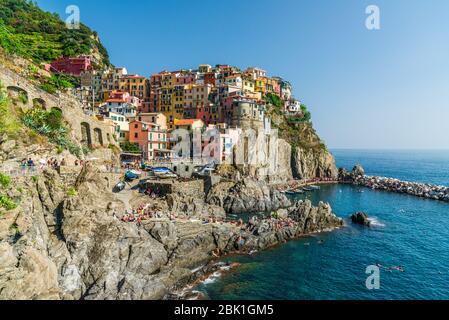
{"points": [[424, 190]]}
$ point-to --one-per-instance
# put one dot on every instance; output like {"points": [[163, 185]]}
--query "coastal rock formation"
{"points": [[303, 219], [361, 218], [424, 190], [61, 246], [313, 163], [358, 171], [248, 195]]}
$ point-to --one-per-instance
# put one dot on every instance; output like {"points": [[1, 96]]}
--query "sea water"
{"points": [[407, 231]]}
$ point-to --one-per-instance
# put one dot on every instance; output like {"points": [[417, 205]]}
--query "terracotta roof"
{"points": [[186, 122]]}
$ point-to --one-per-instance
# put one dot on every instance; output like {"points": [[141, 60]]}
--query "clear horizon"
{"points": [[366, 89]]}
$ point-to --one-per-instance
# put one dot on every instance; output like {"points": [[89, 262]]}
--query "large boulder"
{"points": [[361, 218], [248, 195], [358, 171]]}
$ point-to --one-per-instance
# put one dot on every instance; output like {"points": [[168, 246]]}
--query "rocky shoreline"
{"points": [[62, 245], [423, 190], [300, 220]]}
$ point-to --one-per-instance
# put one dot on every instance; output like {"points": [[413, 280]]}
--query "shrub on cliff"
{"points": [[58, 82], [51, 125], [275, 102], [8, 121], [5, 181], [7, 203]]}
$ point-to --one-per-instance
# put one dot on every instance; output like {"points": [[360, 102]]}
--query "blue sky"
{"points": [[386, 89]]}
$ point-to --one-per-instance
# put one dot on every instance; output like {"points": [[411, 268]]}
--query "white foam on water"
{"points": [[376, 223], [214, 277]]}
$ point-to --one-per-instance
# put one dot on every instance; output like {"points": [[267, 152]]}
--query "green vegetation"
{"points": [[58, 82], [130, 147], [71, 192], [35, 179], [7, 203], [30, 32], [307, 117], [297, 130], [8, 122], [51, 125], [5, 181], [275, 102]]}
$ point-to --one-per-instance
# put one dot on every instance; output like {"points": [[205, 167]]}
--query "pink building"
{"points": [[185, 78], [150, 137], [72, 66]]}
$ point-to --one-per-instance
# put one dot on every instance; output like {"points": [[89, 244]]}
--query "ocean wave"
{"points": [[376, 223], [214, 277]]}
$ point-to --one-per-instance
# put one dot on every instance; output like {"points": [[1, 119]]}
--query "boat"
{"points": [[131, 176], [164, 173], [315, 187], [294, 192], [307, 189], [120, 186]]}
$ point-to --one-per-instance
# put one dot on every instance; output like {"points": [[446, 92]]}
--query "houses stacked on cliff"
{"points": [[144, 111]]}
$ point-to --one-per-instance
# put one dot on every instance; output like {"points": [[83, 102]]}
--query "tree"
{"points": [[307, 115]]}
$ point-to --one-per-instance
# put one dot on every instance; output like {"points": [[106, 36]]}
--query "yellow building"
{"points": [[249, 85], [135, 85], [167, 97], [261, 85], [178, 102]]}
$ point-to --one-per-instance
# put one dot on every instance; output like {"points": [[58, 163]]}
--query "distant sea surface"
{"points": [[408, 231]]}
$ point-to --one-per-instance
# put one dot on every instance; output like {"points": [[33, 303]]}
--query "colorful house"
{"points": [[151, 138], [123, 103], [121, 124], [157, 118], [261, 85], [136, 85], [72, 66], [190, 124]]}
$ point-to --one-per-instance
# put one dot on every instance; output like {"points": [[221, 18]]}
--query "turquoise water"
{"points": [[410, 232]]}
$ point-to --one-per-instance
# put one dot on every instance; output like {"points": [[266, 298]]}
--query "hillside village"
{"points": [[143, 111]]}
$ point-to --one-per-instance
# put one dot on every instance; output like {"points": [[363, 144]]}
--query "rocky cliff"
{"points": [[63, 245], [248, 195], [310, 163]]}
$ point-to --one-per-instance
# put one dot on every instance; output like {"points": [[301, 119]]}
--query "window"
{"points": [[136, 135], [136, 126]]}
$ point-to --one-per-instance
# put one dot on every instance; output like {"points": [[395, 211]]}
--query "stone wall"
{"points": [[86, 129]]}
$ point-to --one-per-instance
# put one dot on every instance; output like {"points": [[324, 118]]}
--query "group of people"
{"points": [[152, 193], [142, 213], [50, 163], [212, 219], [54, 163], [275, 223]]}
